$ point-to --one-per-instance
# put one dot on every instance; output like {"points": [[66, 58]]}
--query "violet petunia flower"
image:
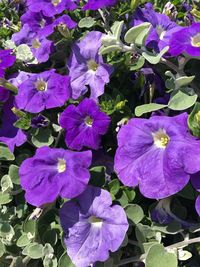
{"points": [[186, 41], [86, 67], [96, 4], [50, 7], [6, 59], [37, 22], [9, 134], [40, 46], [84, 125], [92, 226], [158, 154], [162, 27], [195, 180], [54, 172], [43, 91]]}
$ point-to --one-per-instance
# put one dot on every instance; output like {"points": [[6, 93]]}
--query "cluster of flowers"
{"points": [[158, 154]]}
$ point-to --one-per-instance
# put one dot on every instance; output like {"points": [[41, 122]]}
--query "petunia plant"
{"points": [[99, 133]]}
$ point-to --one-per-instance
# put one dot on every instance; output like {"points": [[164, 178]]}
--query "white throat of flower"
{"points": [[161, 139], [95, 221], [61, 166], [195, 40], [41, 85], [36, 44], [55, 2], [88, 121], [92, 65]]}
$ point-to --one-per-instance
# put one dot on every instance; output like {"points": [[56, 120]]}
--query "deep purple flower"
{"points": [[43, 91], [40, 46], [37, 22], [6, 59], [195, 180], [39, 121], [50, 7], [92, 227], [9, 134], [54, 172], [158, 154], [84, 125], [4, 93], [187, 41], [162, 26], [63, 23], [96, 4], [86, 67]]}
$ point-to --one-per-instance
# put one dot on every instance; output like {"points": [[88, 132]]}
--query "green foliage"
{"points": [[194, 120], [157, 256]]}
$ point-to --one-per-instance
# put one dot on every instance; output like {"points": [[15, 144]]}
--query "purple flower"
{"points": [[187, 40], [162, 26], [9, 134], [96, 4], [6, 59], [43, 91], [39, 121], [195, 180], [4, 93], [92, 226], [40, 46], [54, 172], [86, 67], [84, 125], [50, 7], [37, 22], [64, 22], [158, 154]]}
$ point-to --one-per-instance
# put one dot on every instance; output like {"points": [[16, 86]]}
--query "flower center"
{"points": [[92, 65], [161, 139], [88, 121], [61, 167], [197, 116], [195, 41], [55, 2], [36, 43], [161, 32], [95, 221], [41, 85]]}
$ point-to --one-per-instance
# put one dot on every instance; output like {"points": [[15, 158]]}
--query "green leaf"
{"points": [[134, 64], [183, 81], [5, 198], [6, 231], [171, 228], [50, 262], [23, 240], [86, 22], [35, 251], [23, 53], [43, 138], [98, 175], [182, 100], [194, 120], [140, 110], [132, 34], [112, 48], [117, 29], [65, 261], [48, 250], [14, 174], [2, 249], [114, 186], [30, 226], [23, 123], [134, 212], [157, 256], [5, 153], [50, 236], [143, 232], [140, 39], [6, 184], [155, 59]]}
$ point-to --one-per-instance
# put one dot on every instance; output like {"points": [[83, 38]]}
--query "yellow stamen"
{"points": [[61, 167], [161, 139], [92, 65]]}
